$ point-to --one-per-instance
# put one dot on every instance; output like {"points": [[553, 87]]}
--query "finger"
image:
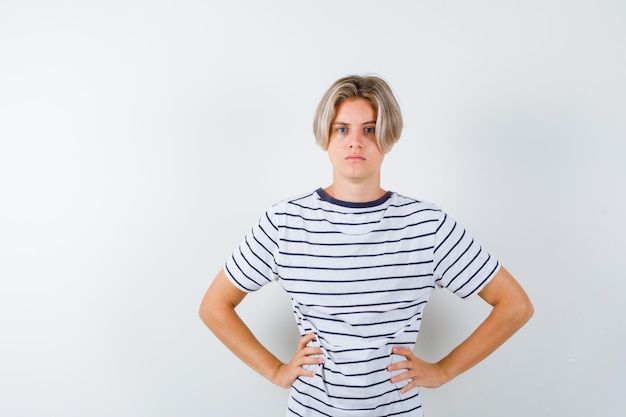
{"points": [[304, 372], [310, 352], [401, 377], [396, 366], [304, 340], [309, 360], [402, 351], [408, 387], [296, 370], [311, 355]]}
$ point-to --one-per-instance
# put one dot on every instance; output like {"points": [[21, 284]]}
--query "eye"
{"points": [[342, 129], [370, 130]]}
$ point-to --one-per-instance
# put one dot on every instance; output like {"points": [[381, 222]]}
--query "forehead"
{"points": [[355, 110]]}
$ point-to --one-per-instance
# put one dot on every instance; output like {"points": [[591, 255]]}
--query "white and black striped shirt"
{"points": [[359, 275]]}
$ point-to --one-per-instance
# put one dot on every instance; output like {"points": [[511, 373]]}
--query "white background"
{"points": [[141, 139]]}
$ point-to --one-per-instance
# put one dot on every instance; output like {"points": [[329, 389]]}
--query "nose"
{"points": [[356, 140]]}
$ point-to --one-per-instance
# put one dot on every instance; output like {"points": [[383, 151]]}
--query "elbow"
{"points": [[207, 314], [529, 310], [218, 305], [204, 313], [523, 311], [515, 311]]}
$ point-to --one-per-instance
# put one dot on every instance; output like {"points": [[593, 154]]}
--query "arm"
{"points": [[511, 309], [217, 311]]}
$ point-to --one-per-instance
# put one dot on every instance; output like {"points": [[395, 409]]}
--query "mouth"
{"points": [[355, 158]]}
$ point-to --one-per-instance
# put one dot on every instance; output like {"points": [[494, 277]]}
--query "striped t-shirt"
{"points": [[359, 276]]}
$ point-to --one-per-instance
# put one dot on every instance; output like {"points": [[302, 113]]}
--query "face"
{"points": [[352, 148]]}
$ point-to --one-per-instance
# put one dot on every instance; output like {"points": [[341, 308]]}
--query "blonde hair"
{"points": [[371, 88]]}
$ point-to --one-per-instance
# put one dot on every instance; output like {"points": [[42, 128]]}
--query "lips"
{"points": [[355, 158]]}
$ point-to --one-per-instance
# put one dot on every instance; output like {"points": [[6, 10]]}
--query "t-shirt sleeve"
{"points": [[253, 263], [460, 264]]}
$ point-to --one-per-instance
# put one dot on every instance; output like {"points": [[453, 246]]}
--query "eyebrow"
{"points": [[346, 124]]}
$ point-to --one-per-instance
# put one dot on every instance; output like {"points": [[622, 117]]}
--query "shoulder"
{"points": [[401, 202], [298, 202], [293, 206]]}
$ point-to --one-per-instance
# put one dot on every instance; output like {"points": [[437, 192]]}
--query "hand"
{"points": [[421, 373], [287, 373]]}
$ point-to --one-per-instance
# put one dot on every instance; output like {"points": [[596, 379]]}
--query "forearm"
{"points": [[511, 309], [228, 327], [503, 321], [217, 311]]}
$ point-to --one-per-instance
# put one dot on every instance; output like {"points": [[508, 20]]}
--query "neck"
{"points": [[355, 193]]}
